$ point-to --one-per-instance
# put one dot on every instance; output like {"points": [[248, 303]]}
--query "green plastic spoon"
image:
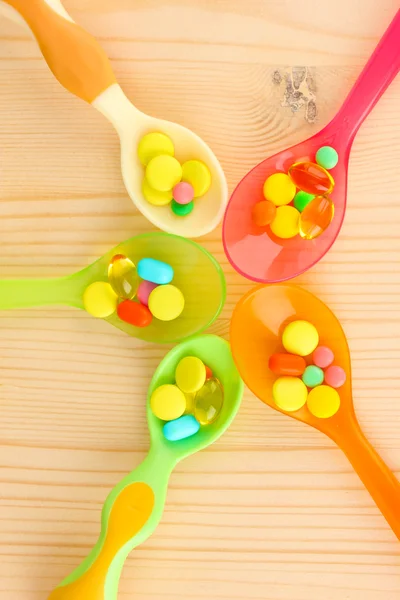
{"points": [[196, 273], [134, 508]]}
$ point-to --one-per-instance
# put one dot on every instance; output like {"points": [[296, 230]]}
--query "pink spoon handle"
{"points": [[376, 76]]}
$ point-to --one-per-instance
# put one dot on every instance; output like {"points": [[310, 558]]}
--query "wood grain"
{"points": [[272, 511]]}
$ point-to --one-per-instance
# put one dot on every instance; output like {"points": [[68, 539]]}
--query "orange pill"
{"points": [[287, 364], [134, 313], [316, 217], [263, 213], [311, 178], [209, 373]]}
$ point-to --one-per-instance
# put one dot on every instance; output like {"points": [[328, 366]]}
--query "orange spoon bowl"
{"points": [[256, 331]]}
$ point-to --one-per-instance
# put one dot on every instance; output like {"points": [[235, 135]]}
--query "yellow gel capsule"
{"points": [[154, 144], [289, 393], [300, 337], [166, 302], [190, 374], [286, 223], [100, 300], [316, 217], [154, 196], [323, 402], [167, 402], [279, 189], [163, 173], [208, 402], [123, 277], [198, 175]]}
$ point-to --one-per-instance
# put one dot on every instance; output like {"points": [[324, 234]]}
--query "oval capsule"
{"points": [[181, 428], [316, 217], [134, 313], [287, 364], [123, 277], [155, 271], [311, 178], [208, 402]]}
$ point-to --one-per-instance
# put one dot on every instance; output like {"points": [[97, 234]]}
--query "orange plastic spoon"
{"points": [[256, 330]]}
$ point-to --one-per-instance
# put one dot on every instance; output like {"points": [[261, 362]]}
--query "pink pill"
{"points": [[144, 291], [323, 357], [183, 193], [335, 376]]}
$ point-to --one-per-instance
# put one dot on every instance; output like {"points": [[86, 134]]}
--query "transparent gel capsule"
{"points": [[316, 217], [208, 402], [311, 178], [123, 277]]}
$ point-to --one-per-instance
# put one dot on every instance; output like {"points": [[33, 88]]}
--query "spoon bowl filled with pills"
{"points": [[193, 397], [292, 352], [170, 173], [286, 213], [156, 287]]}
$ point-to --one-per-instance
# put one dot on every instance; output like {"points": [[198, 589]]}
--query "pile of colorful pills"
{"points": [[137, 294], [195, 399], [312, 382], [166, 181], [299, 203]]}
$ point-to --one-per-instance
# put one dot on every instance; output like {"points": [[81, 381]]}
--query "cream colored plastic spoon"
{"points": [[82, 67]]}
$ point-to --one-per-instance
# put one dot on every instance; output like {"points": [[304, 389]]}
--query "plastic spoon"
{"points": [[82, 67], [134, 508], [252, 250], [256, 329], [196, 273]]}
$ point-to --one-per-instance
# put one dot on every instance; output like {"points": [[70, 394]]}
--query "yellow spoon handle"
{"points": [[73, 55]]}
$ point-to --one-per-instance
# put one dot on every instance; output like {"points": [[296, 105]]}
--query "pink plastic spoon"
{"points": [[252, 250]]}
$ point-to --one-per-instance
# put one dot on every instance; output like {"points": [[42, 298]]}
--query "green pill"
{"points": [[181, 210], [327, 157], [301, 200], [313, 376]]}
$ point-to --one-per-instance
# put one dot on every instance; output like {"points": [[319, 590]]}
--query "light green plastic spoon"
{"points": [[134, 507], [196, 273]]}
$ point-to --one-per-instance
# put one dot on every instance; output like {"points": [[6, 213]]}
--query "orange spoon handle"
{"points": [[373, 472], [73, 55]]}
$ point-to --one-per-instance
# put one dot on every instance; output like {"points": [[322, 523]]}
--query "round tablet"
{"points": [[154, 196], [163, 172], [198, 175], [323, 402], [279, 189], [313, 376], [166, 302], [289, 393], [154, 144], [300, 337], [323, 357], [335, 376], [100, 300], [168, 402], [286, 223], [301, 200], [183, 192], [327, 157], [263, 213], [190, 374], [181, 210]]}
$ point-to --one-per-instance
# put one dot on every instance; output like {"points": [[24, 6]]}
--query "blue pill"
{"points": [[155, 271], [181, 428]]}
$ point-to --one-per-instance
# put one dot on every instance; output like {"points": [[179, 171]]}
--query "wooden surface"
{"points": [[273, 510]]}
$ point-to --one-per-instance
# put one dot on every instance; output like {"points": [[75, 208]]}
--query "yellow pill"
{"points": [[190, 374], [208, 402], [279, 189], [100, 300], [198, 175], [286, 223], [289, 393], [166, 302], [168, 402], [154, 144], [323, 402], [300, 337], [163, 173], [154, 196]]}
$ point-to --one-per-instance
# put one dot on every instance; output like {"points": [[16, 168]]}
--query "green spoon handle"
{"points": [[25, 293], [131, 513]]}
